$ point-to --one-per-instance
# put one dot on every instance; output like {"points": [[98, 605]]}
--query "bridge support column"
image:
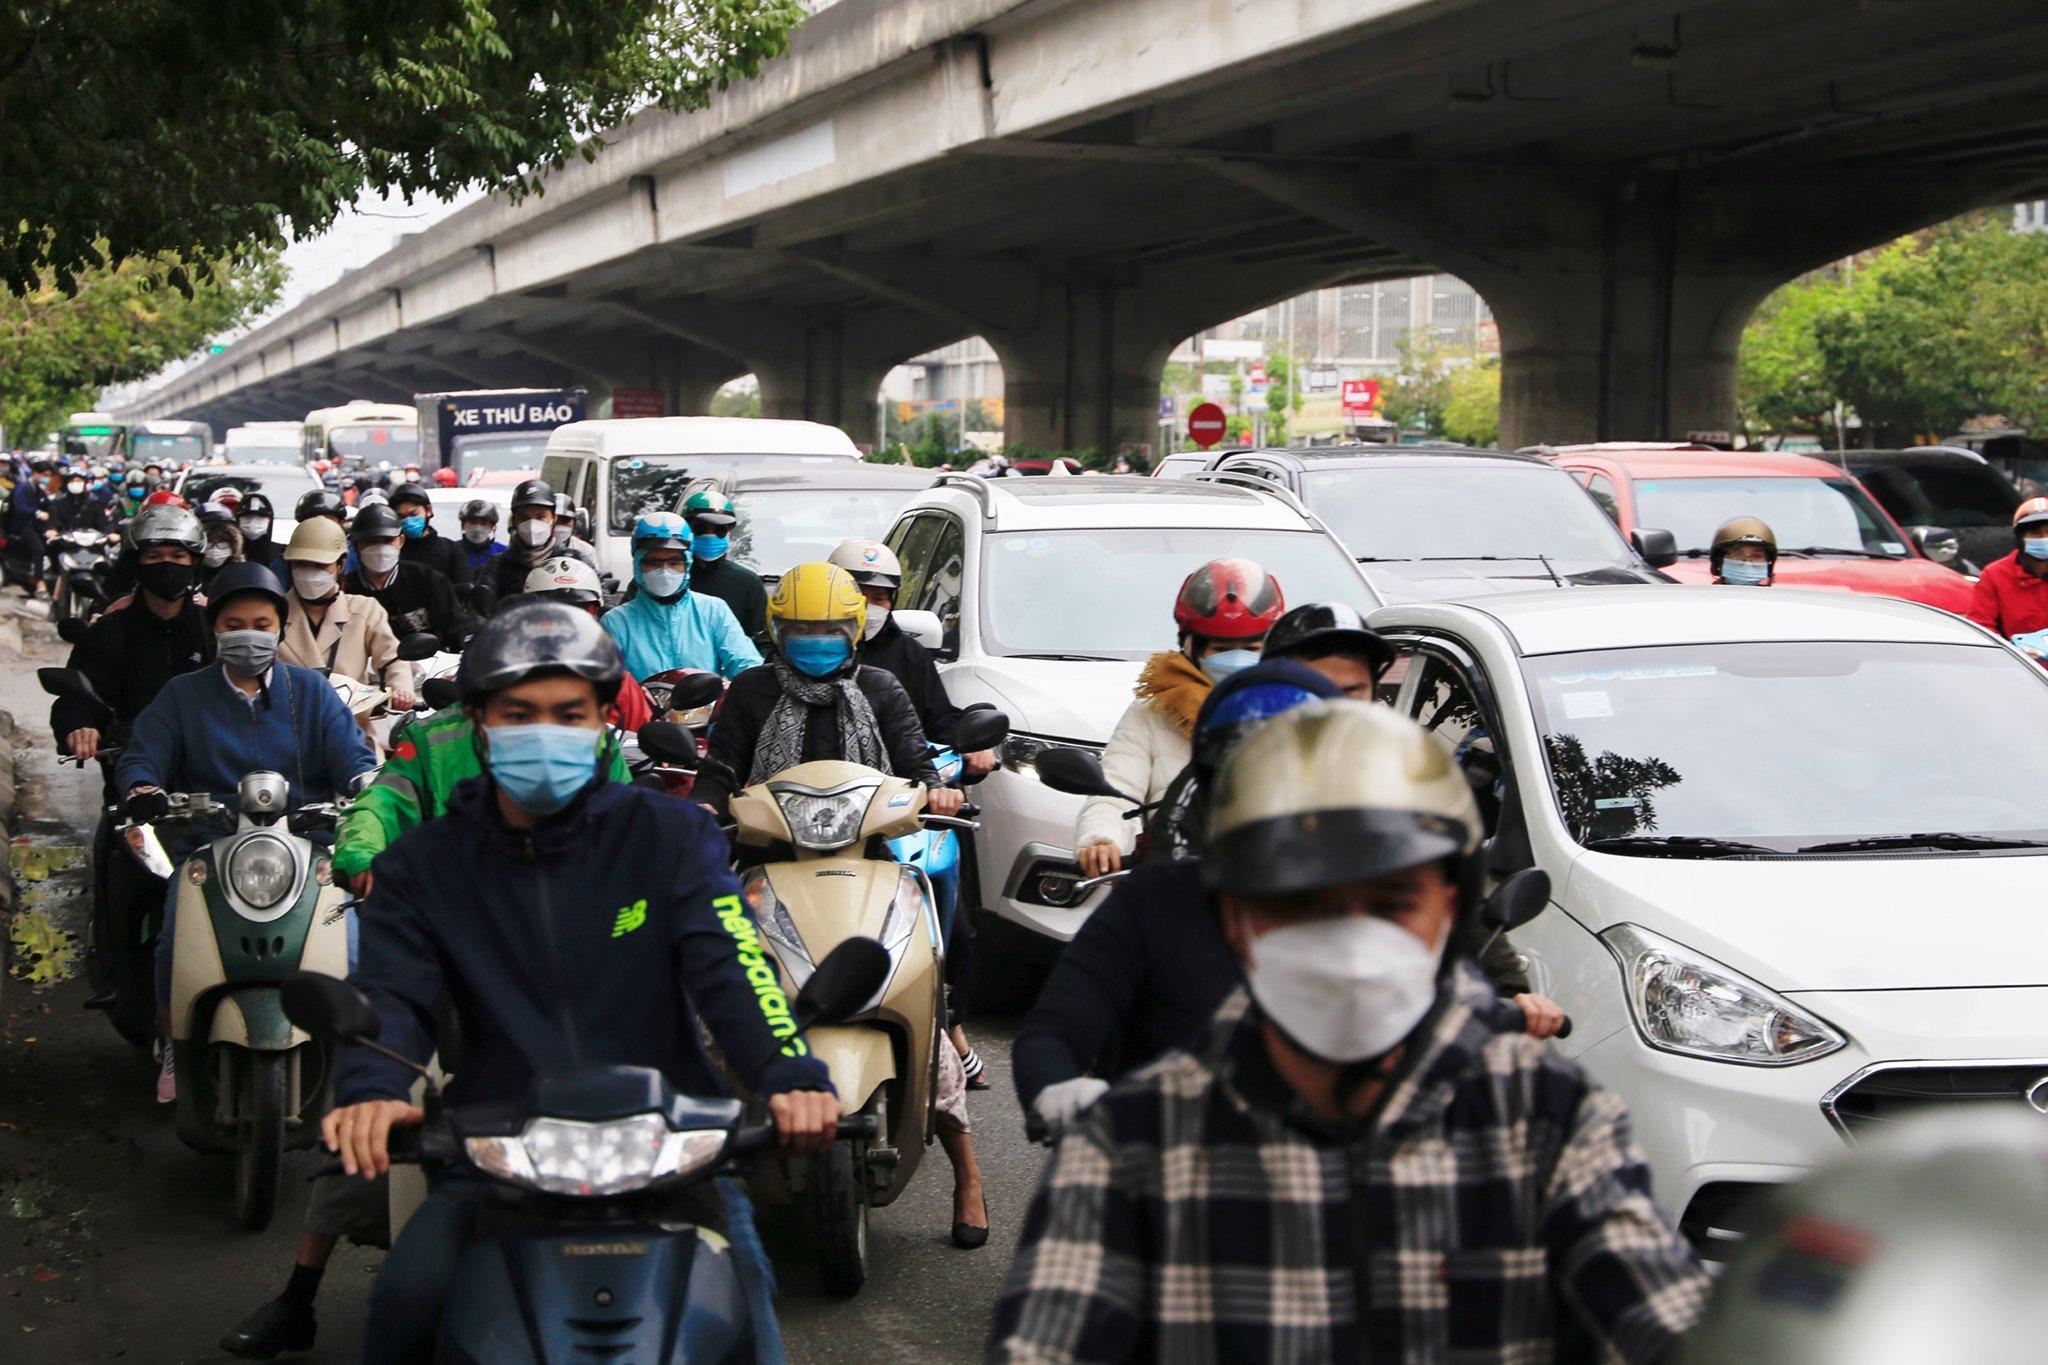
{"points": [[1085, 374]]}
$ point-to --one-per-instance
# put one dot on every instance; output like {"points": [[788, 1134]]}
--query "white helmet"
{"points": [[872, 564], [566, 579]]}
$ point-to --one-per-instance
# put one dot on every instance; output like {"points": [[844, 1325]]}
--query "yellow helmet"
{"points": [[813, 594]]}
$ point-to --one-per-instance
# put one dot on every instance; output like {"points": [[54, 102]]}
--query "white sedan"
{"points": [[1796, 844]]}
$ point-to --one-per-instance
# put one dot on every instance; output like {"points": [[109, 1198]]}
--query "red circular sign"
{"points": [[1205, 425]]}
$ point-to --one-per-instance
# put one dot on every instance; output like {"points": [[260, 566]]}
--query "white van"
{"points": [[612, 469]]}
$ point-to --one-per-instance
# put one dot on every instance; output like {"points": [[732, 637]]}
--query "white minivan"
{"points": [[614, 468]]}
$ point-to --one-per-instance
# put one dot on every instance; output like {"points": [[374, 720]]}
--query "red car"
{"points": [[1831, 532]]}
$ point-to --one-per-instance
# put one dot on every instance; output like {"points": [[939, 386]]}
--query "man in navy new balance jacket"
{"points": [[572, 922]]}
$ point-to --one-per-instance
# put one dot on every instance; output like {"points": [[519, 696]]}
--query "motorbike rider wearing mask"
{"points": [[532, 539], [1222, 613], [1350, 1074], [1744, 553], [77, 508], [254, 519], [340, 633], [480, 545], [665, 625], [563, 579], [223, 542], [2011, 598], [206, 730], [424, 545], [510, 904], [713, 570], [414, 596]]}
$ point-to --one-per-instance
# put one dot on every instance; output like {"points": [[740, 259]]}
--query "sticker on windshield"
{"points": [[1587, 705], [1635, 674], [636, 464], [1891, 547], [1617, 803]]}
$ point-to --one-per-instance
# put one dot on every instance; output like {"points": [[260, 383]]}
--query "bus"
{"points": [[93, 436], [361, 433], [263, 443], [170, 443]]}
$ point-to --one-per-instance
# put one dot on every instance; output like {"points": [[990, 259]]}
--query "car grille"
{"points": [[1893, 1094]]}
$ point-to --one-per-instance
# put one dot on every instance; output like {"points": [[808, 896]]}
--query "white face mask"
{"points": [[877, 618], [254, 527], [314, 585], [476, 533], [561, 533], [75, 486], [378, 559], [536, 532], [1344, 989], [217, 555]]}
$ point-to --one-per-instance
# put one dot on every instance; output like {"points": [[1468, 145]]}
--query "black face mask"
{"points": [[165, 581]]}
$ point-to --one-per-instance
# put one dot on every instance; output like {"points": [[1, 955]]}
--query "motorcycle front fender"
{"points": [[859, 1059], [253, 1018]]}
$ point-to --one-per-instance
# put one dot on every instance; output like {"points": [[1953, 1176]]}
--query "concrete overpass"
{"points": [[1085, 182]]}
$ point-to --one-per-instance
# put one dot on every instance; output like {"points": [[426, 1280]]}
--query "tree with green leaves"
{"points": [[1471, 411], [1415, 398], [197, 130], [120, 323]]}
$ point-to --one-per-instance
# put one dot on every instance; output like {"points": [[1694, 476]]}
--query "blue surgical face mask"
{"points": [[2036, 547], [817, 656], [414, 527], [662, 583], [1744, 573], [1225, 662], [542, 767], [710, 547]]}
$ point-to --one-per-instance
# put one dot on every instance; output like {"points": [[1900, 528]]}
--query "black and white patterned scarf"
{"points": [[781, 743]]}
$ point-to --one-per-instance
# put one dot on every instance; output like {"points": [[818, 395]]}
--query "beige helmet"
{"points": [[1331, 793], [872, 564], [317, 540], [1743, 531]]}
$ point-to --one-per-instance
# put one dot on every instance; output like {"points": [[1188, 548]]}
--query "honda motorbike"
{"points": [[598, 1238], [824, 874], [78, 566], [254, 906]]}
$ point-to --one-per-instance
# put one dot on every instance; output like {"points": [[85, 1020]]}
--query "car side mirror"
{"points": [[921, 626], [978, 729], [666, 742], [421, 644], [851, 975], [328, 1008], [1938, 543], [1077, 772], [1659, 549], [441, 693], [71, 630]]}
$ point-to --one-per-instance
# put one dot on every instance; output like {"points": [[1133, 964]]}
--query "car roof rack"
{"points": [[1238, 478], [974, 484]]}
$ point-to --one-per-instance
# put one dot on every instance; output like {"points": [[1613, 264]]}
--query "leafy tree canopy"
{"points": [[121, 323], [198, 128], [1471, 412]]}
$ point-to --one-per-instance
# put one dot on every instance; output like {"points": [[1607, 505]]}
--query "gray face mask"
{"points": [[247, 653]]}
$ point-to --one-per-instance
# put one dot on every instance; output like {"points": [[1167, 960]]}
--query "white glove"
{"points": [[1059, 1105]]}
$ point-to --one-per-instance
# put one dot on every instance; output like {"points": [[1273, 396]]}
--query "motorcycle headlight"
{"points": [[261, 871], [820, 822], [777, 927], [1020, 752], [564, 1156], [1688, 1003]]}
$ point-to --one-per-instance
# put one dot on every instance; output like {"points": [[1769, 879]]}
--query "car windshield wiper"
{"points": [[1943, 839], [1072, 658], [1811, 551], [1497, 559], [1677, 846]]}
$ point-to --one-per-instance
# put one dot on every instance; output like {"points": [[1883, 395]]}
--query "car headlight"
{"points": [[1020, 752], [1687, 1003], [776, 926], [563, 1156], [261, 871], [820, 822]]}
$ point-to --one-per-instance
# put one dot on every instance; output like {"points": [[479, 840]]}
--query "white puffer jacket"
{"points": [[1146, 751]]}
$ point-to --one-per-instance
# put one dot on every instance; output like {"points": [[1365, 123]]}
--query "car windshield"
{"points": [[1492, 510], [91, 443], [263, 454], [284, 488], [1791, 744], [498, 450], [375, 443], [1961, 494], [656, 482], [786, 526], [1816, 514], [144, 448], [1109, 593]]}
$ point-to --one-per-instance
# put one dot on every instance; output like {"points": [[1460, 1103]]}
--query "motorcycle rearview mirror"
{"points": [[851, 975], [695, 690], [328, 1008], [667, 742], [70, 684], [441, 693], [421, 644], [1075, 772], [979, 729], [1517, 900], [71, 630]]}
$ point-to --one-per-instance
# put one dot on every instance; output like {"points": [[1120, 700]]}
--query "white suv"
{"points": [[1048, 595]]}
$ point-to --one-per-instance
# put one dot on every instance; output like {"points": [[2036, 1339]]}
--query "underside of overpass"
{"points": [[1086, 184]]}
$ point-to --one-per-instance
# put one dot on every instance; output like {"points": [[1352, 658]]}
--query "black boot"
{"points": [[276, 1327]]}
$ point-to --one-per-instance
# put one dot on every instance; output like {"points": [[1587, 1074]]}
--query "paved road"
{"points": [[117, 1243]]}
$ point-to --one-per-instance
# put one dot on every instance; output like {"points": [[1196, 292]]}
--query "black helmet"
{"points": [[237, 580], [534, 493], [412, 492], [321, 502], [529, 637], [1316, 630], [376, 522], [216, 514], [257, 505], [479, 509]]}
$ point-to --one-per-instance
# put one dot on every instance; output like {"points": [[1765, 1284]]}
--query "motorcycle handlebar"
{"points": [[759, 1137], [1505, 1016]]}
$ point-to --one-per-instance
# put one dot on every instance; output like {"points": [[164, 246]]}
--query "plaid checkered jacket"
{"points": [[1493, 1209]]}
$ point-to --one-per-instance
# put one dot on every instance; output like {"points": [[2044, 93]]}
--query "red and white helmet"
{"points": [[1228, 599], [566, 579]]}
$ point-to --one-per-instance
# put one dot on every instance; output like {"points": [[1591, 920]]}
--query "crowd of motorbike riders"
{"points": [[1299, 1099]]}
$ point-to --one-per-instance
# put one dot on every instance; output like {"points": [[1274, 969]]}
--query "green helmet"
{"points": [[709, 505]]}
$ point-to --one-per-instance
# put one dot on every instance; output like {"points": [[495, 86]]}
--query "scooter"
{"points": [[593, 1242], [78, 562], [825, 876], [253, 907]]}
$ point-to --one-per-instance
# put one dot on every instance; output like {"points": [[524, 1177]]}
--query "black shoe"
{"points": [[973, 1067], [971, 1238], [271, 1330]]}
